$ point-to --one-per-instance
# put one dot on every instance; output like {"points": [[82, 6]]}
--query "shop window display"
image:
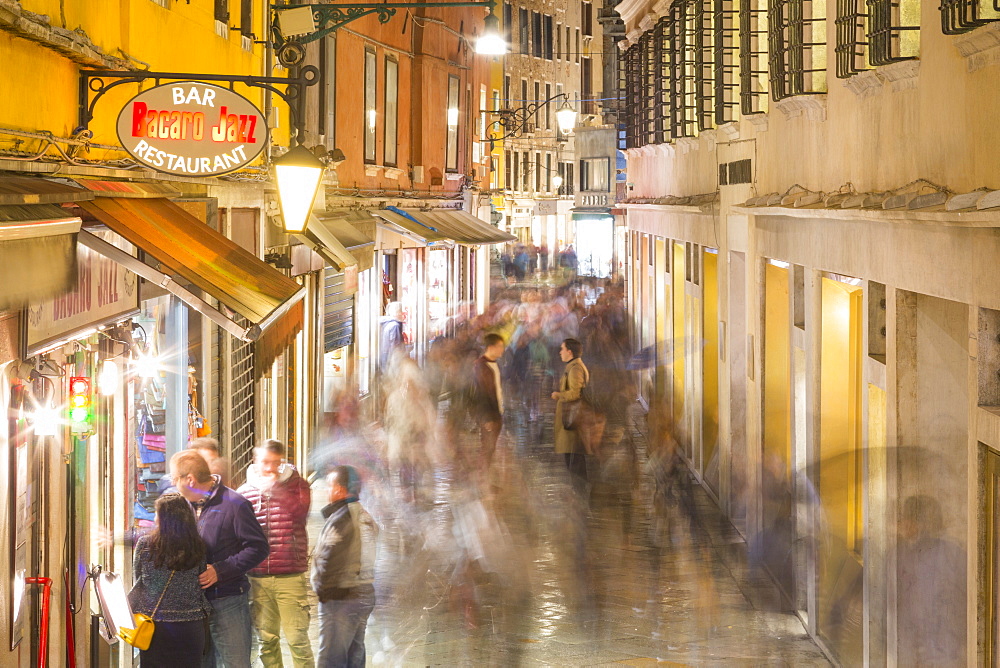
{"points": [[437, 290], [151, 414]]}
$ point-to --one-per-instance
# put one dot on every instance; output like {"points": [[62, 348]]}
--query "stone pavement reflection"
{"points": [[525, 573]]}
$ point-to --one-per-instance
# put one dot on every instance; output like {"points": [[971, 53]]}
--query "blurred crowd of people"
{"points": [[444, 464], [441, 440], [522, 261]]}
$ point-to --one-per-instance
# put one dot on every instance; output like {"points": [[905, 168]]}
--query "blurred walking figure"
{"points": [[568, 442], [932, 587], [166, 566], [343, 573], [278, 587], [487, 403], [390, 333], [410, 418]]}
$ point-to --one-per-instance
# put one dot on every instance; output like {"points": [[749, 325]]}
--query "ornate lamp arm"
{"points": [[512, 122]]}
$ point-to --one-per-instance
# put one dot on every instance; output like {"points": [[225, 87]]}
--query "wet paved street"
{"points": [[518, 570]]}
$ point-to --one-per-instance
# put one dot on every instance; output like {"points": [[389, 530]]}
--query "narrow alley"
{"points": [[519, 569]]}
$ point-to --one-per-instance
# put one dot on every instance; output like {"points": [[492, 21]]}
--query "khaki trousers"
{"points": [[281, 603]]}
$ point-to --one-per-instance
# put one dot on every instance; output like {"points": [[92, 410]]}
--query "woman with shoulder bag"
{"points": [[570, 413], [166, 566]]}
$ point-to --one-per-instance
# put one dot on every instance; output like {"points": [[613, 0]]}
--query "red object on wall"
{"points": [[43, 636]]}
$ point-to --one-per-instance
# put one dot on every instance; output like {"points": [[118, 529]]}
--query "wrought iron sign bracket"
{"points": [[329, 18], [94, 84], [512, 122]]}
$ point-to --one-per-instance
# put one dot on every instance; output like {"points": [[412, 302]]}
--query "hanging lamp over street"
{"points": [[566, 117], [298, 174], [491, 42]]}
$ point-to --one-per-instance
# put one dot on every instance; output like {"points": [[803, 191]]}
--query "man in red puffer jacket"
{"points": [[278, 586]]}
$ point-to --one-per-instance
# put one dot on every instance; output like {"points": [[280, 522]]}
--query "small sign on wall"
{"points": [[546, 207]]}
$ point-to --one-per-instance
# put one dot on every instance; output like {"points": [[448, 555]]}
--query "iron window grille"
{"points": [[753, 56], [242, 406], [702, 32], [659, 78], [650, 124], [850, 51], [959, 16], [797, 47], [894, 30], [887, 33], [633, 77], [683, 80], [724, 65]]}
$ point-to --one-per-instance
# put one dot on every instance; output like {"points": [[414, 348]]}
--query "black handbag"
{"points": [[571, 414]]}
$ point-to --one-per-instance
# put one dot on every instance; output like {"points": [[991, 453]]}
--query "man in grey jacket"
{"points": [[343, 572]]}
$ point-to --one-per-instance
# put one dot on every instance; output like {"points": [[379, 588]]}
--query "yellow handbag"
{"points": [[142, 635]]}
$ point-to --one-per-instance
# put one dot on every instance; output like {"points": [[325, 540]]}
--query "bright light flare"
{"points": [[146, 366], [107, 381], [45, 421]]}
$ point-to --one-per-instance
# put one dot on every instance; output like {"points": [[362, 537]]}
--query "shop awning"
{"points": [[420, 225], [321, 239], [439, 225], [37, 239], [590, 212], [464, 228], [37, 253], [355, 230], [187, 247]]}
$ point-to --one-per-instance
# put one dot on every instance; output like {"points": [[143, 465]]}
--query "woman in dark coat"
{"points": [[569, 442], [166, 566]]}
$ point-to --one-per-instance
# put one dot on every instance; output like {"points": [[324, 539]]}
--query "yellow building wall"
{"points": [[679, 280], [840, 487], [180, 39], [777, 374], [662, 286], [840, 410], [710, 364], [496, 84]]}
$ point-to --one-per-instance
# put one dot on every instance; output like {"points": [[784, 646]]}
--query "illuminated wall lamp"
{"points": [[566, 117], [298, 174], [491, 43]]}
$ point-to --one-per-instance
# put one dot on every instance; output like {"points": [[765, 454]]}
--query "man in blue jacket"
{"points": [[235, 542]]}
